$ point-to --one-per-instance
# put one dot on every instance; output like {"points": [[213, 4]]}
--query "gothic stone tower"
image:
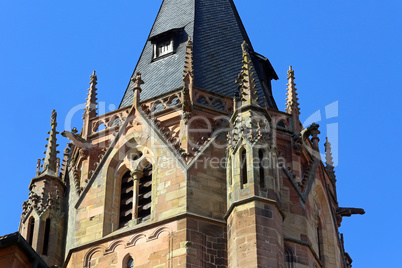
{"points": [[192, 170]]}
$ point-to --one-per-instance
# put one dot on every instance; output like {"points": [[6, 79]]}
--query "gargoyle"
{"points": [[77, 140], [347, 212]]}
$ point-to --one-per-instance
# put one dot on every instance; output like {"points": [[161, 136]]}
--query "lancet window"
{"points": [[243, 166], [31, 227], [46, 237]]}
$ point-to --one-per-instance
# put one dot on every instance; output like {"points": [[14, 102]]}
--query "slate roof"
{"points": [[217, 33]]}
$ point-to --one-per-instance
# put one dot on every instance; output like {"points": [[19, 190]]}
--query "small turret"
{"points": [[42, 219], [253, 186]]}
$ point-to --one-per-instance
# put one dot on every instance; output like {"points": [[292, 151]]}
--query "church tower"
{"points": [[196, 168]]}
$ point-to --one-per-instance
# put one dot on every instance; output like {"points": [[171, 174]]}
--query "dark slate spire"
{"points": [[217, 33]]}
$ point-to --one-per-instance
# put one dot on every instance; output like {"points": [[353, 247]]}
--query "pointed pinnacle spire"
{"points": [[328, 157], [50, 161], [90, 106], [187, 92], [188, 63], [248, 94], [292, 106]]}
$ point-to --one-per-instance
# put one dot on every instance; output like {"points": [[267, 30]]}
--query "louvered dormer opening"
{"points": [[165, 44], [145, 195], [126, 199]]}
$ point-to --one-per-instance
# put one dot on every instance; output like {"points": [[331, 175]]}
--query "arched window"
{"points": [[261, 168], [126, 199], [130, 263], [289, 258], [46, 237], [136, 196], [243, 166], [31, 227]]}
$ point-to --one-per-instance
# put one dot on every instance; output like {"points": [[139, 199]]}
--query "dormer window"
{"points": [[163, 48], [165, 44]]}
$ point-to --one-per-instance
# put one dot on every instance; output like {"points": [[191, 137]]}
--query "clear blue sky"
{"points": [[345, 51]]}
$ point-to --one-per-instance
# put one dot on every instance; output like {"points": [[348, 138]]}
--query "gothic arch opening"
{"points": [[31, 228], [289, 258], [46, 237], [128, 262], [132, 192], [243, 167]]}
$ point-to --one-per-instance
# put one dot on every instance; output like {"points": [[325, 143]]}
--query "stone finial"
{"points": [[328, 157], [137, 81], [50, 160], [248, 94], [292, 105], [90, 106]]}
